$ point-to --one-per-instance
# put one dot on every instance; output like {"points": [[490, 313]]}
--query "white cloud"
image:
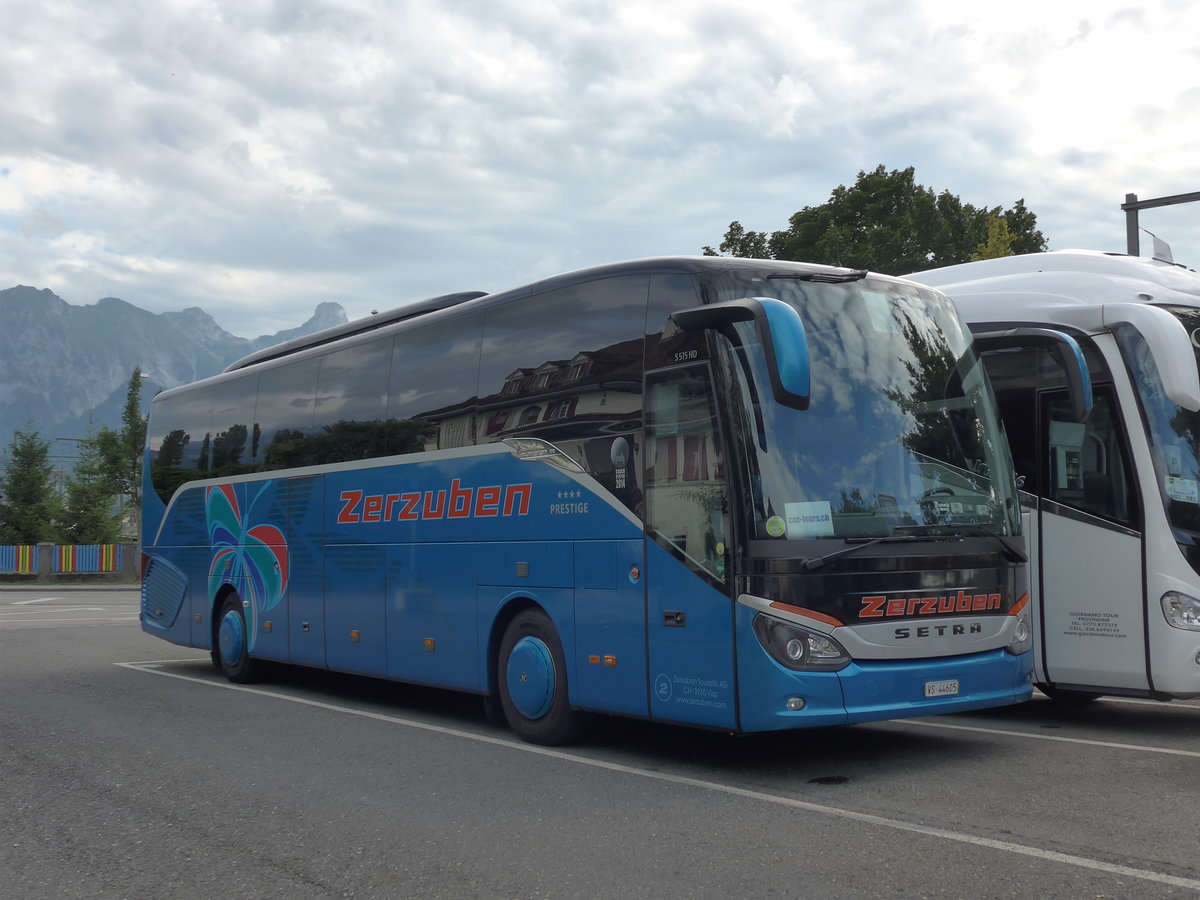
{"points": [[257, 158]]}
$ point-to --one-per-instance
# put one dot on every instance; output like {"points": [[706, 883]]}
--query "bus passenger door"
{"points": [[1093, 608], [688, 593]]}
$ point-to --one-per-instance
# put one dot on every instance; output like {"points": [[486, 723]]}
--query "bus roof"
{"points": [[1070, 286], [690, 264]]}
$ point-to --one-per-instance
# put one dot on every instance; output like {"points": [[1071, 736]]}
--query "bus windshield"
{"points": [[1174, 431], [899, 438]]}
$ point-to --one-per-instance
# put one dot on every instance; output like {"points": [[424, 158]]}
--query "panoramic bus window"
{"points": [[178, 428], [351, 397], [431, 394], [565, 367], [925, 458], [1085, 463], [670, 293], [232, 420], [687, 494], [283, 416]]}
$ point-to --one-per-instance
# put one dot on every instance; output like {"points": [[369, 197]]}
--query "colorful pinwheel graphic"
{"points": [[252, 558]]}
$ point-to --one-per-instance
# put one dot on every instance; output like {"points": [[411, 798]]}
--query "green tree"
{"points": [[999, 241], [90, 514], [29, 506], [739, 242], [120, 452], [888, 223]]}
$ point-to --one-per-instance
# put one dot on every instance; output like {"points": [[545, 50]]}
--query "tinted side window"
{"points": [[284, 415], [232, 420], [669, 293], [178, 427], [351, 402], [431, 397], [565, 366]]}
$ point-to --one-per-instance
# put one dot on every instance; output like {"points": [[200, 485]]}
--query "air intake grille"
{"points": [[163, 591]]}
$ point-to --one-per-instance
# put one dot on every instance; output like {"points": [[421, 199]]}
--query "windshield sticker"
{"points": [[776, 527], [1173, 459], [808, 519], [1185, 490], [879, 309]]}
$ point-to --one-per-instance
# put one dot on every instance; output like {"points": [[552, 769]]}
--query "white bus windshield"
{"points": [[899, 438], [1174, 431]]}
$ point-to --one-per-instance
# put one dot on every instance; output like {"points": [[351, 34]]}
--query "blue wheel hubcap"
{"points": [[531, 677], [233, 638]]}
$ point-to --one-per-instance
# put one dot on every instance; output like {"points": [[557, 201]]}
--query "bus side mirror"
{"points": [[1079, 382], [780, 331], [1169, 344]]}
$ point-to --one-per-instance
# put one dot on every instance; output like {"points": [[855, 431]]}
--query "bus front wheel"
{"points": [[232, 653], [532, 676]]}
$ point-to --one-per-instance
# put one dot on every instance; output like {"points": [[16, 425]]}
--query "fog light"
{"points": [[795, 703], [1198, 659]]}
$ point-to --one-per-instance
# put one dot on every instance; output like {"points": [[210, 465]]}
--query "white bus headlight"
{"points": [[1181, 611], [798, 648]]}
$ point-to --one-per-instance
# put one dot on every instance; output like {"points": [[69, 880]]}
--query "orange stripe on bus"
{"points": [[808, 614]]}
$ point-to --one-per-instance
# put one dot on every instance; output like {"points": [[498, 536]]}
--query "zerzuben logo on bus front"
{"points": [[456, 503], [881, 606]]}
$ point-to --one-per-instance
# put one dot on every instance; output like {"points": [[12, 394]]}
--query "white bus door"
{"points": [[1089, 555]]}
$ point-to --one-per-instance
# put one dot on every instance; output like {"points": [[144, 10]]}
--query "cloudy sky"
{"points": [[257, 158]]}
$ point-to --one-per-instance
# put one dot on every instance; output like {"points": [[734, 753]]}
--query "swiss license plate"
{"points": [[941, 688]]}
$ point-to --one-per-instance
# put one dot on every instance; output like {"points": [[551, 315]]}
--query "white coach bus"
{"points": [[1111, 496]]}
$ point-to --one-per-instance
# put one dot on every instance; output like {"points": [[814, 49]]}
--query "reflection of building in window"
{"points": [[579, 367], [516, 382], [682, 457], [497, 421], [594, 393], [686, 495], [561, 409]]}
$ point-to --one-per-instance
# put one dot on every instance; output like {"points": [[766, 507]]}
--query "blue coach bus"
{"points": [[738, 494]]}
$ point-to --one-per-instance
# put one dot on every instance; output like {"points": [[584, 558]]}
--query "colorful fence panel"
{"points": [[19, 559], [86, 559]]}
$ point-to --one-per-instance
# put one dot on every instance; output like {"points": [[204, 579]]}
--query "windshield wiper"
{"points": [[857, 544], [1013, 554], [825, 277]]}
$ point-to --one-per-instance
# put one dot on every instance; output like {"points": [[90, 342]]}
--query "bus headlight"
{"points": [[1022, 634], [1181, 611], [798, 648]]}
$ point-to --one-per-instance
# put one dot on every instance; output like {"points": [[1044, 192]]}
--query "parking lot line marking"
{"points": [[42, 613], [1111, 745], [1082, 862]]}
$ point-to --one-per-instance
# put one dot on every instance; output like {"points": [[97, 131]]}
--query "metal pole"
{"points": [[1131, 206], [1132, 245]]}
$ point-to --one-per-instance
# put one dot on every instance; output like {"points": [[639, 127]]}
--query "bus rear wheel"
{"points": [[532, 675], [232, 652]]}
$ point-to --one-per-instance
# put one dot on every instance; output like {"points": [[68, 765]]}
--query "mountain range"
{"points": [[64, 369]]}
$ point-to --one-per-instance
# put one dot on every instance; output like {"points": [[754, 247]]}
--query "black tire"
{"points": [[232, 651], [531, 672], [1068, 698]]}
